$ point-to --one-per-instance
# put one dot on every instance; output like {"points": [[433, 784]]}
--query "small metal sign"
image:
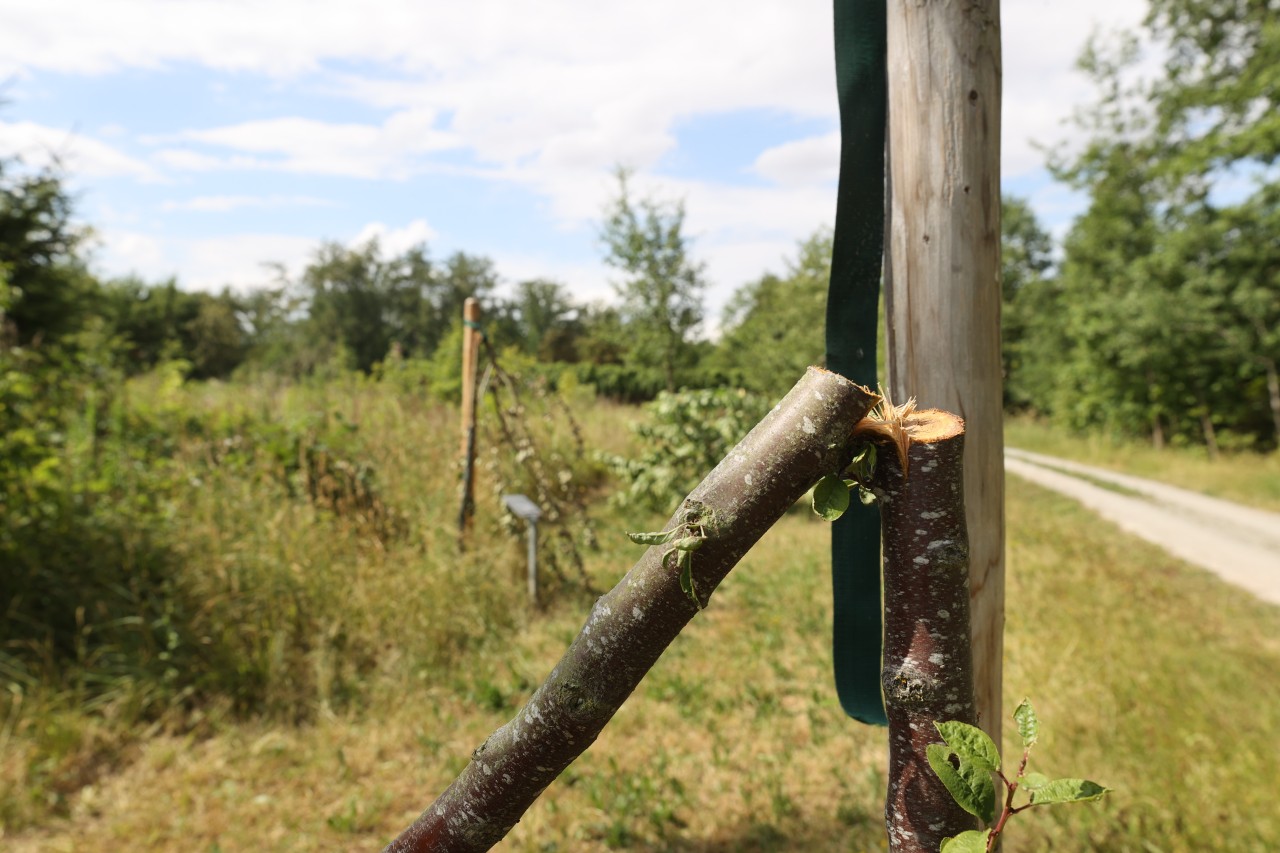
{"points": [[522, 507]]}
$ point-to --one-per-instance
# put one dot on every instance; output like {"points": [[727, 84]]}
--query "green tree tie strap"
{"points": [[853, 301]]}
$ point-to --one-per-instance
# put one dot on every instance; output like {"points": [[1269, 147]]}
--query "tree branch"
{"points": [[806, 436]]}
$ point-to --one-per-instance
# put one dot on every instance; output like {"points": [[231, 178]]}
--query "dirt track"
{"points": [[1238, 543]]}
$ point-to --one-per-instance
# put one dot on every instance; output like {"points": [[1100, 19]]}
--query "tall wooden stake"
{"points": [[942, 281], [470, 356]]}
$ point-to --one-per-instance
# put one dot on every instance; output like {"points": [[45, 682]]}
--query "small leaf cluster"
{"points": [[833, 493], [966, 762], [686, 537]]}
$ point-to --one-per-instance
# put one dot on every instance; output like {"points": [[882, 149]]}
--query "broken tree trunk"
{"points": [[928, 660], [805, 437]]}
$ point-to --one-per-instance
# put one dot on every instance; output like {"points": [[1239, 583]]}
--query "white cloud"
{"points": [[395, 241], [814, 160], [314, 147], [84, 156], [228, 203], [238, 261], [189, 161]]}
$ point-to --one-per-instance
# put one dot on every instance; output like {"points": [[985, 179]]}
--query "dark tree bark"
{"points": [[928, 662], [805, 437]]}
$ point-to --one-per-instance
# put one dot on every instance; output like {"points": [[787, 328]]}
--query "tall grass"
{"points": [[252, 549]]}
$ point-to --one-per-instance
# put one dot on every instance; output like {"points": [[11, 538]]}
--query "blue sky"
{"points": [[205, 139]]}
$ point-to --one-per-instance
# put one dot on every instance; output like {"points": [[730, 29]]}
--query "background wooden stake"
{"points": [[470, 356]]}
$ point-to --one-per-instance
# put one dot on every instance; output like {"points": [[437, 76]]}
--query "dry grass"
{"points": [[1245, 477], [1149, 676]]}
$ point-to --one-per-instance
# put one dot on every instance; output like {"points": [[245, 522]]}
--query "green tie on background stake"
{"points": [[853, 303]]}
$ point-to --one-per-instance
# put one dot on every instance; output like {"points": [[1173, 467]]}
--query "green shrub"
{"points": [[687, 435], [114, 588], [90, 597]]}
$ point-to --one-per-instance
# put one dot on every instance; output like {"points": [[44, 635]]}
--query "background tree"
{"points": [[1219, 99], [151, 317], [1026, 259], [47, 288], [356, 301], [603, 337], [772, 326], [1218, 108], [1161, 318], [216, 342], [661, 291], [462, 276], [547, 321], [363, 301]]}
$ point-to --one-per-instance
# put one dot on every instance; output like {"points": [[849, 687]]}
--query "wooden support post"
{"points": [[470, 357], [942, 279]]}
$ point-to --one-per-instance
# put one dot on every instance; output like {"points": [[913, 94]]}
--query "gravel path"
{"points": [[1238, 543]]}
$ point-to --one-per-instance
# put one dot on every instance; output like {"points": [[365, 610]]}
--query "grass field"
{"points": [[1248, 478], [1149, 676]]}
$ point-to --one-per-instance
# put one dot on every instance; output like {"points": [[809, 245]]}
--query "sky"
{"points": [[205, 139]]}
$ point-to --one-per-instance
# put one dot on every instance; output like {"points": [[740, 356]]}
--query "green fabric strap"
{"points": [[853, 302]]}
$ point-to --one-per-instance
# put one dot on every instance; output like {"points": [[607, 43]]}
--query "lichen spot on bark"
{"points": [[808, 427]]}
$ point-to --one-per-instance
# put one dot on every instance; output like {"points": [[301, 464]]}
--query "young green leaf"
{"points": [[1067, 791], [863, 465], [688, 543], [830, 498], [970, 841], [868, 449], [970, 786], [685, 561], [659, 538], [1028, 722], [971, 744], [1031, 781], [867, 496]]}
